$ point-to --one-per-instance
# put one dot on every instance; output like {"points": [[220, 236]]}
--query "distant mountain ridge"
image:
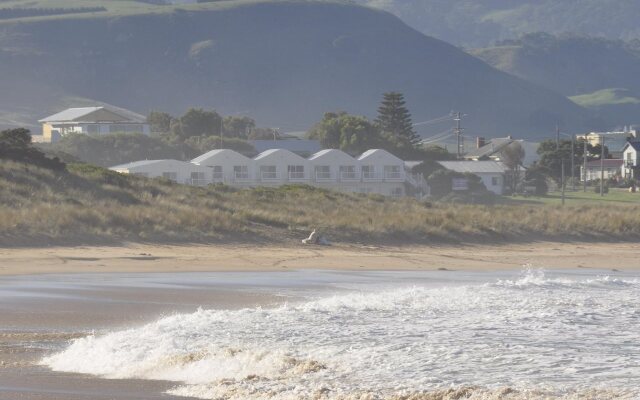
{"points": [[479, 23], [596, 73], [284, 63]]}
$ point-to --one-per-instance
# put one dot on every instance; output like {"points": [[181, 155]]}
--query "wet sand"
{"points": [[197, 258]]}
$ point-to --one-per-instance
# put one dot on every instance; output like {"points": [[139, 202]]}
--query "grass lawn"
{"points": [[615, 195]]}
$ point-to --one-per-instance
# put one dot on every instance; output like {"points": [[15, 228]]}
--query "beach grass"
{"points": [[580, 197], [93, 205]]}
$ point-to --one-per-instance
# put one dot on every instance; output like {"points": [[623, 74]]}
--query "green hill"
{"points": [[284, 63], [597, 73], [479, 23]]}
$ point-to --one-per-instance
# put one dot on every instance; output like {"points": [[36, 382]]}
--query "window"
{"points": [[396, 192], [197, 178], [268, 172], [495, 180], [392, 172], [323, 172], [296, 171], [217, 173], [347, 172], [368, 172], [172, 176], [240, 172]]}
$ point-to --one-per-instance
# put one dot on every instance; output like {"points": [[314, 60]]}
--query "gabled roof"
{"points": [[206, 156], [475, 167], [95, 114], [379, 152], [635, 145], [294, 145], [490, 148], [274, 152], [327, 152]]}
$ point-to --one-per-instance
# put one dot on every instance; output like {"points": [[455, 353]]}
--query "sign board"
{"points": [[459, 184]]}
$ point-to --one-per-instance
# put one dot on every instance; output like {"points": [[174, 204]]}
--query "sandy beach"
{"points": [[50, 296], [200, 258]]}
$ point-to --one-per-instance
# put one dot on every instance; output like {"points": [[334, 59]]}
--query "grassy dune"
{"points": [[93, 205]]}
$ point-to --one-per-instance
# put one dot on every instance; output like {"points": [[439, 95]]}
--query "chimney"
{"points": [[480, 142]]}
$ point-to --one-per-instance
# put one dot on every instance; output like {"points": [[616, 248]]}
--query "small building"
{"points": [[492, 173], [612, 168], [228, 166], [174, 170], [631, 160], [382, 173], [279, 166], [331, 166], [302, 147], [92, 121]]}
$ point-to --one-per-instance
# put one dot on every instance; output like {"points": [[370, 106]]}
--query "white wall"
{"points": [[281, 159], [335, 159], [228, 159], [182, 170], [379, 159]]}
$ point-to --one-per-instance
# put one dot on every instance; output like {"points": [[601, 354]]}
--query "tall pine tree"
{"points": [[394, 120]]}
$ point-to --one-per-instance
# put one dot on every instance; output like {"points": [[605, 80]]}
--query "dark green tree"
{"points": [[197, 122], [159, 122], [552, 153], [350, 133], [394, 120], [238, 127]]}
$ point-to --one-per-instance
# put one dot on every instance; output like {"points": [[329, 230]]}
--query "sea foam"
{"points": [[539, 337]]}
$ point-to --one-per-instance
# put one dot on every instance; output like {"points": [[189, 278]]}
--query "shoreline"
{"points": [[150, 258]]}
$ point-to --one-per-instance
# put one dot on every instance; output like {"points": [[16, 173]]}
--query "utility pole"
{"points": [[557, 136], [573, 167], [458, 131], [562, 181], [601, 165], [584, 165]]}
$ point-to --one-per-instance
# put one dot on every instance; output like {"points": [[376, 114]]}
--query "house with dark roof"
{"points": [[492, 150], [92, 121]]}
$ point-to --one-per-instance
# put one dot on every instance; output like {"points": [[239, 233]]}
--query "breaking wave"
{"points": [[530, 338]]}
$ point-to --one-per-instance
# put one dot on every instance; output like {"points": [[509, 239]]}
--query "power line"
{"points": [[437, 140], [435, 120], [436, 136]]}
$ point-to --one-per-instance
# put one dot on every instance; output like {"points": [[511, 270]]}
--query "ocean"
{"points": [[526, 334]]}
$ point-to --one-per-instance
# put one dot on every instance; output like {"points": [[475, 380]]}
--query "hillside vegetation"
{"points": [[86, 204], [478, 23], [283, 63]]}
